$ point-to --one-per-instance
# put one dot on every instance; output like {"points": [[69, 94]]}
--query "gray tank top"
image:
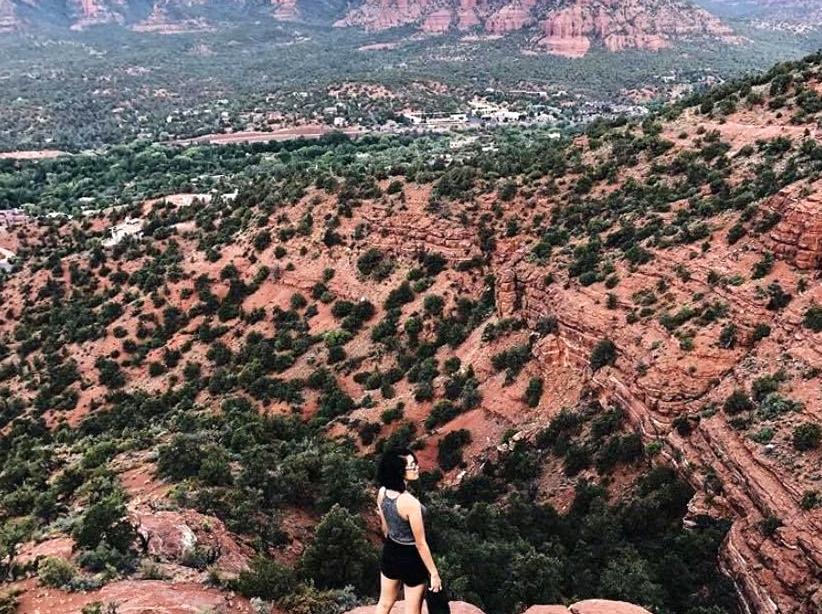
{"points": [[399, 529]]}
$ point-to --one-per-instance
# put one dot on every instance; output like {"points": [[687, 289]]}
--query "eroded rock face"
{"points": [[174, 537], [797, 238], [564, 30], [625, 25]]}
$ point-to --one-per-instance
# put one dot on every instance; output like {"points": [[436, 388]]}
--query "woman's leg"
{"points": [[413, 598], [389, 591]]}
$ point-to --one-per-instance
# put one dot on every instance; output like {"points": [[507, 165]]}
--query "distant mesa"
{"points": [[559, 28]]}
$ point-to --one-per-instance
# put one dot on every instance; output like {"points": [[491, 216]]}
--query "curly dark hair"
{"points": [[391, 470]]}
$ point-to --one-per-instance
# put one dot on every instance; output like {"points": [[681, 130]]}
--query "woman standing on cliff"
{"points": [[406, 559]]}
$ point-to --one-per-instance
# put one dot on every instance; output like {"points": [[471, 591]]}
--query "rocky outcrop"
{"points": [[619, 25], [655, 383], [797, 238], [86, 13], [590, 606], [567, 30], [438, 22], [177, 537], [511, 17]]}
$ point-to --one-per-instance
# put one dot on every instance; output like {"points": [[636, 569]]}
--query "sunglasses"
{"points": [[411, 466]]}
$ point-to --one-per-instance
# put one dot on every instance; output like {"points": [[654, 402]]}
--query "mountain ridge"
{"points": [[555, 26], [559, 27]]}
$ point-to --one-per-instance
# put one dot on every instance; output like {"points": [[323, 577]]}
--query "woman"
{"points": [[406, 558]]}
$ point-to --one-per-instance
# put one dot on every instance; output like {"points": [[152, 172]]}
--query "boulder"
{"points": [[457, 607]]}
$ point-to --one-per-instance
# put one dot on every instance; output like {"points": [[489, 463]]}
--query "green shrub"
{"points": [[811, 499], [727, 336], [266, 579], [512, 359], [449, 449], [760, 332], [807, 436], [340, 554], [604, 353], [56, 572], [442, 413], [399, 296], [534, 391], [813, 318], [737, 402]]}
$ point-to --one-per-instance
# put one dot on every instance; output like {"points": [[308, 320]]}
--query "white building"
{"points": [[129, 228]]}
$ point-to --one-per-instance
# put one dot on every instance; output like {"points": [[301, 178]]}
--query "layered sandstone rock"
{"points": [[773, 575], [86, 13], [626, 25], [163, 20], [375, 15], [438, 22], [569, 30], [797, 238], [285, 10], [511, 17]]}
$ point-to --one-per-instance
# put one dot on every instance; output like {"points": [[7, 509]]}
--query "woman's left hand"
{"points": [[436, 583]]}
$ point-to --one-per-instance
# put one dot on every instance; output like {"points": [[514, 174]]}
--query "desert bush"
{"points": [[449, 449], [737, 402], [603, 354], [807, 436]]}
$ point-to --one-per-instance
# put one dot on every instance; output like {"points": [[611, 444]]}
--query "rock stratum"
{"points": [[560, 28]]}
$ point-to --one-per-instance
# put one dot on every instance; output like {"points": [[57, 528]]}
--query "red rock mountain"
{"points": [[559, 27]]}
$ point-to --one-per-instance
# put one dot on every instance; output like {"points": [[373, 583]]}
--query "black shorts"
{"points": [[401, 562]]}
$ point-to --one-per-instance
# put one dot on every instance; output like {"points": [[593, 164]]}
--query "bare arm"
{"points": [[384, 524], [418, 529]]}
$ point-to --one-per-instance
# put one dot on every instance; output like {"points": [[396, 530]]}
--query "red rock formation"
{"points": [[163, 21], [570, 31], [285, 10], [798, 236], [438, 22], [375, 15], [87, 13], [172, 536], [640, 24], [511, 17], [467, 16]]}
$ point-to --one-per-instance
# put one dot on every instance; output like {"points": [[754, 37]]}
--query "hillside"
{"points": [[604, 349]]}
